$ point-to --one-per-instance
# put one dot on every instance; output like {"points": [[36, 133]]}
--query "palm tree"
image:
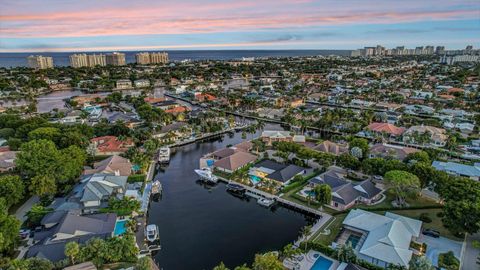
{"points": [[306, 231], [72, 249], [289, 251]]}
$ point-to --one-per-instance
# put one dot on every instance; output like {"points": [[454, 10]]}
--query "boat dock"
{"points": [[255, 193]]}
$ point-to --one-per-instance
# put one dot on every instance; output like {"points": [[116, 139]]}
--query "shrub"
{"points": [[448, 261], [440, 214], [136, 178], [425, 218]]}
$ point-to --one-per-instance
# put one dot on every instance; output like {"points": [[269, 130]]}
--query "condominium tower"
{"points": [[116, 59], [145, 58], [40, 62], [87, 60]]}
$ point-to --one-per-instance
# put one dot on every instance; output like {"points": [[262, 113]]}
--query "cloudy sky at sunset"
{"points": [[92, 25]]}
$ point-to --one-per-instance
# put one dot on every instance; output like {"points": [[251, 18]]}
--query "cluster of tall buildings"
{"points": [[92, 60], [401, 50], [40, 61], [145, 58]]}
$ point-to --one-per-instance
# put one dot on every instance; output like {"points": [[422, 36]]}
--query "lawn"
{"points": [[334, 227], [412, 202]]}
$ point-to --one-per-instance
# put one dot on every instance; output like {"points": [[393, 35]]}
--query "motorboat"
{"points": [[164, 155], [156, 187], [206, 174], [265, 202], [235, 188], [151, 233]]}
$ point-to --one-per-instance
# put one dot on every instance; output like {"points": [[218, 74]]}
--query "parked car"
{"points": [[431, 232], [24, 233]]}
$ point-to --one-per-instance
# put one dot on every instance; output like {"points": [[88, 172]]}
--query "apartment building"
{"points": [[40, 61]]}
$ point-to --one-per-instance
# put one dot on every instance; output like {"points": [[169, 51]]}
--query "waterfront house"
{"points": [[115, 165], [109, 145], [273, 171], [472, 172], [346, 194], [425, 134], [330, 147], [172, 132], [235, 161], [383, 150], [380, 240], [270, 136], [69, 227], [97, 189]]}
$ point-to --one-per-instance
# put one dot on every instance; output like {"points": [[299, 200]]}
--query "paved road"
{"points": [[22, 210], [471, 254]]}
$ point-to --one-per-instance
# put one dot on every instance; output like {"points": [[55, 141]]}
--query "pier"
{"points": [[258, 193]]}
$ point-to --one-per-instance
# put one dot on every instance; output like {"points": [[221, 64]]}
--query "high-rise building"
{"points": [[429, 50], [87, 60], [142, 58], [115, 59], [146, 58], [158, 57], [440, 50], [40, 62], [78, 60], [97, 60]]}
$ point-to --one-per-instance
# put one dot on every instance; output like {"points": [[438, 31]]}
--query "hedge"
{"points": [[136, 178]]}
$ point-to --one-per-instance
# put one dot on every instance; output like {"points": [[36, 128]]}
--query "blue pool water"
{"points": [[255, 179], [120, 227], [321, 263]]}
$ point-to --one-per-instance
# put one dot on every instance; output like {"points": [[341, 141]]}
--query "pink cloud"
{"points": [[224, 16]]}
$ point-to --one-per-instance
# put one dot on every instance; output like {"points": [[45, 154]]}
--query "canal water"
{"points": [[201, 226]]}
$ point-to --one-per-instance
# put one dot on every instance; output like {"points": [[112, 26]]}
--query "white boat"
{"points": [[265, 202], [207, 175], [156, 187], [164, 155], [151, 233]]}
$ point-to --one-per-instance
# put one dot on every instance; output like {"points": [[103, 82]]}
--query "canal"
{"points": [[201, 226]]}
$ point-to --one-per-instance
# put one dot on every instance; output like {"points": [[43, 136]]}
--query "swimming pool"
{"points": [[321, 263], [353, 239], [255, 179], [120, 227]]}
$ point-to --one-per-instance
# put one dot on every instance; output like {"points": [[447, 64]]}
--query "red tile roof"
{"points": [[386, 128], [111, 144]]}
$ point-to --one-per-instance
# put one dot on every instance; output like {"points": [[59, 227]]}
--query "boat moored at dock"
{"points": [[156, 187], [265, 202], [235, 188], [151, 233], [206, 174], [164, 155]]}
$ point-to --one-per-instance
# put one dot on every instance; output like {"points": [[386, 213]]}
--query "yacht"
{"points": [[206, 175], [151, 233], [164, 155], [156, 187], [265, 202]]}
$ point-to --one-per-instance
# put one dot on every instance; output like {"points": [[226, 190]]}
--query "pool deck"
{"points": [[308, 260]]}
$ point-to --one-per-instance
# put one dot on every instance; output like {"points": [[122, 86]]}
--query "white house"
{"points": [[382, 240]]}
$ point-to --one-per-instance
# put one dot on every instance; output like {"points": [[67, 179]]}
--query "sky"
{"points": [[108, 25]]}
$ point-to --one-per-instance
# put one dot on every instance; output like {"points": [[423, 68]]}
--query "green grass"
{"points": [[412, 202], [136, 178], [334, 227]]}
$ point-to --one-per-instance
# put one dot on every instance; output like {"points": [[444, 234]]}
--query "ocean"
{"points": [[61, 58]]}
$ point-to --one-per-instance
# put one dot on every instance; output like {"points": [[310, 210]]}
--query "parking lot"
{"points": [[436, 246]]}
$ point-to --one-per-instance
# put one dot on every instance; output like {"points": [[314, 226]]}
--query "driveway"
{"points": [[435, 246], [471, 253], [21, 212]]}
